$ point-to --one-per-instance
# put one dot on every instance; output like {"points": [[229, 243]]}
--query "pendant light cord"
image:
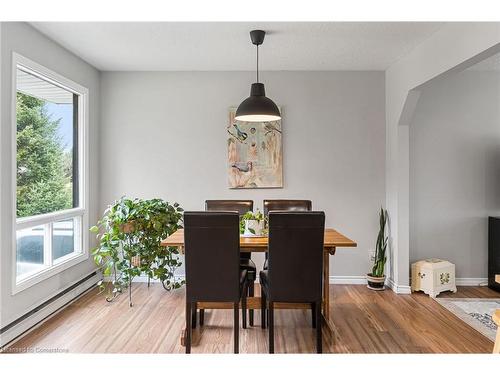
{"points": [[257, 63]]}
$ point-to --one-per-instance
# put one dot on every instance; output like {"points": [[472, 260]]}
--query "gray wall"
{"points": [[23, 39], [163, 134], [455, 170]]}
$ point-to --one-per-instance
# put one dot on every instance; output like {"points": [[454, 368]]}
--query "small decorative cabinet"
{"points": [[433, 276]]}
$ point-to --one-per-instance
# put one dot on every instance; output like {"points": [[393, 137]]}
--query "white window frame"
{"points": [[31, 67]]}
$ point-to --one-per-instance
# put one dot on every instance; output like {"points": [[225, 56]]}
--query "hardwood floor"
{"points": [[366, 321]]}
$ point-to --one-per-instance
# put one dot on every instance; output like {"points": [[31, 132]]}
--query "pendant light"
{"points": [[257, 107]]}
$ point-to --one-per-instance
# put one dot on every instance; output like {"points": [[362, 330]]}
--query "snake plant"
{"points": [[381, 247]]}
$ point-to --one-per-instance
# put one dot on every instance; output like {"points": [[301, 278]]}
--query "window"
{"points": [[50, 180]]}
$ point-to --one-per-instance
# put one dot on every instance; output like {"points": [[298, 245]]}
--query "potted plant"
{"points": [[129, 235], [252, 224], [376, 279]]}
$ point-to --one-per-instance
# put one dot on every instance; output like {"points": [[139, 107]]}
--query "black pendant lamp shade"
{"points": [[257, 107]]}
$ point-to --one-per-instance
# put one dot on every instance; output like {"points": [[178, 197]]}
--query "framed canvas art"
{"points": [[254, 154]]}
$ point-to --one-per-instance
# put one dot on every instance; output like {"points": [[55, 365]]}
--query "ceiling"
{"points": [[491, 64], [205, 46]]}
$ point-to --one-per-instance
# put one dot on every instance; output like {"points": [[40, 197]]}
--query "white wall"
{"points": [[455, 170], [453, 47], [163, 134], [23, 39]]}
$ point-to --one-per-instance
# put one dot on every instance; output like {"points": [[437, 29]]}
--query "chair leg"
{"points": [[193, 316], [313, 314], [236, 327], [262, 308], [251, 293], [271, 327], [188, 328], [244, 307], [202, 317], [319, 333]]}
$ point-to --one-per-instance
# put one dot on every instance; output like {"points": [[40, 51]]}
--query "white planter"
{"points": [[254, 227]]}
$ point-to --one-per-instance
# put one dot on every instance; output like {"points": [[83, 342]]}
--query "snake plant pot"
{"points": [[375, 282], [254, 228]]}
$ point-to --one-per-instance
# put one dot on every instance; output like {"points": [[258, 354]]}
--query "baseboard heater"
{"points": [[19, 327]]}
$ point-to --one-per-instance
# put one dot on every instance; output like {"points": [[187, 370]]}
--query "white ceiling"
{"points": [[226, 46], [491, 64]]}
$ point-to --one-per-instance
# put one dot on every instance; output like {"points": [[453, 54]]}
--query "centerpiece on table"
{"points": [[253, 224]]}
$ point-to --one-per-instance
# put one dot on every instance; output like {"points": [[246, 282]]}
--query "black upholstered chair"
{"points": [[246, 263], [295, 266], [212, 247], [285, 205]]}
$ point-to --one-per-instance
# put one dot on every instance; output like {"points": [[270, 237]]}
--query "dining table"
{"points": [[259, 244]]}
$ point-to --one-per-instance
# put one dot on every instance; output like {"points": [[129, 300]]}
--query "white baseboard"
{"points": [[352, 280], [471, 281], [33, 321], [398, 289], [336, 280], [141, 279], [467, 281]]}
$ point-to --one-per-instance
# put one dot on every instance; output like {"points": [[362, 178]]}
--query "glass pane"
{"points": [[30, 251], [63, 238], [45, 143]]}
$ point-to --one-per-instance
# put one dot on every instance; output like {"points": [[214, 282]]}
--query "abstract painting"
{"points": [[254, 158]]}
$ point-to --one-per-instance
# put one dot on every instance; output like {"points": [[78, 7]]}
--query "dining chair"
{"points": [[295, 266], [212, 257], [285, 205], [246, 263]]}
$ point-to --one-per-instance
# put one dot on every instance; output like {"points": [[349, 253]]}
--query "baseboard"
{"points": [[471, 281], [467, 281], [346, 280], [398, 289], [36, 318], [350, 280], [142, 279]]}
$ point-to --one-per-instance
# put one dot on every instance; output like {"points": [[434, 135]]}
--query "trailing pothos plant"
{"points": [[129, 235]]}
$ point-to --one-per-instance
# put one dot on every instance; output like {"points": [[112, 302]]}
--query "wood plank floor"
{"points": [[366, 321]]}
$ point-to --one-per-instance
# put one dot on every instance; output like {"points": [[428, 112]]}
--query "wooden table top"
{"points": [[333, 239]]}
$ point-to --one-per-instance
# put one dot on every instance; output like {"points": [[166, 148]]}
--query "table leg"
{"points": [[329, 328], [326, 283]]}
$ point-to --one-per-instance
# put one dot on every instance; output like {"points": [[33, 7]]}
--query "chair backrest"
{"points": [[212, 256], [242, 206], [286, 205], [296, 255]]}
